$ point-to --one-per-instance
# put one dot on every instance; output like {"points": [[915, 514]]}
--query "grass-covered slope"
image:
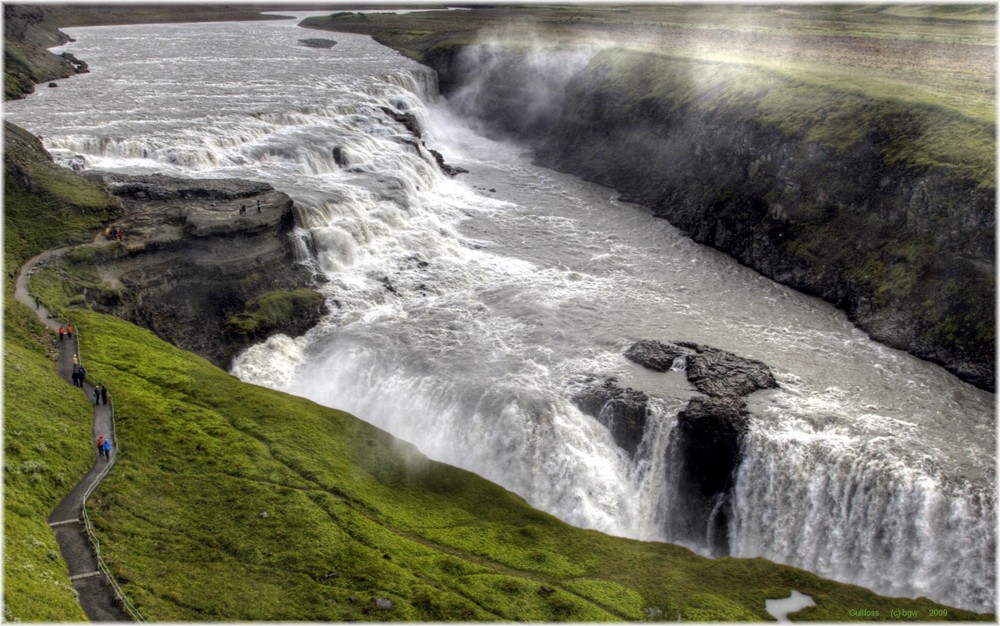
{"points": [[47, 424], [234, 502], [45, 205], [47, 421]]}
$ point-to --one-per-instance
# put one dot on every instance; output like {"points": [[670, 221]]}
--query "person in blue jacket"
{"points": [[107, 449]]}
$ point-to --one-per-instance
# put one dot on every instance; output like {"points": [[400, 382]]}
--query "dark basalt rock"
{"points": [[710, 429], [408, 120], [189, 261], [718, 373], [712, 371], [318, 43], [708, 442], [654, 355], [450, 170], [339, 158], [80, 67], [621, 410]]}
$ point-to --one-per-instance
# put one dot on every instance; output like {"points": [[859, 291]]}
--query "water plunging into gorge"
{"points": [[465, 312]]}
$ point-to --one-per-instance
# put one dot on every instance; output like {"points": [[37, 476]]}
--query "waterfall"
{"points": [[846, 510]]}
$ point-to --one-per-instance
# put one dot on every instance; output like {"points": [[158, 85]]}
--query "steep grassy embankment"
{"points": [[47, 422], [846, 151], [46, 450], [45, 205]]}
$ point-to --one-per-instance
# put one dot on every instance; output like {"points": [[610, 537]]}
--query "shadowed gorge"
{"points": [[765, 142]]}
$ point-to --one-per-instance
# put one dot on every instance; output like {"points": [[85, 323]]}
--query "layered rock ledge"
{"points": [[199, 272]]}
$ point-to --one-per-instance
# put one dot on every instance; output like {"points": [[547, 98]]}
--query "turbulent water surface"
{"points": [[466, 311]]}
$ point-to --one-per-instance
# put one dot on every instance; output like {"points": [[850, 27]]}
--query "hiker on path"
{"points": [[104, 394], [69, 331], [107, 449], [62, 331], [97, 396], [82, 376], [100, 445], [76, 376], [76, 362]]}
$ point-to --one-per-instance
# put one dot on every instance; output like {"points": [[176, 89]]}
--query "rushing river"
{"points": [[465, 311]]}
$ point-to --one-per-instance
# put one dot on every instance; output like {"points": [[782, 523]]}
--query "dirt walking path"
{"points": [[96, 592]]}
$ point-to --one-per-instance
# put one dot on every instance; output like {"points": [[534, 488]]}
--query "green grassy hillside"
{"points": [[47, 421], [46, 450], [45, 205]]}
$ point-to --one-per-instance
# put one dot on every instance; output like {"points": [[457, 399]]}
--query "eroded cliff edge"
{"points": [[208, 265]]}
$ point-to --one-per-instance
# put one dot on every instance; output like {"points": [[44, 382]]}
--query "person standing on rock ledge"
{"points": [[243, 209], [258, 205]]}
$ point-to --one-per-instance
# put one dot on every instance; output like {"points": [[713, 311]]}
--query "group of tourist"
{"points": [[104, 448], [113, 232], [79, 372], [100, 392], [243, 208]]}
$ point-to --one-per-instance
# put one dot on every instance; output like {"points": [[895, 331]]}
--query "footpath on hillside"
{"points": [[96, 592]]}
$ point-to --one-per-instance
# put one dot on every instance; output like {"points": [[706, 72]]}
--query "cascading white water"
{"points": [[464, 312]]}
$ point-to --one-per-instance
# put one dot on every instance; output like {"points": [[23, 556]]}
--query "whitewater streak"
{"points": [[465, 313]]}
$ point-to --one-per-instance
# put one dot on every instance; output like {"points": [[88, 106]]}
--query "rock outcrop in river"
{"points": [[707, 444]]}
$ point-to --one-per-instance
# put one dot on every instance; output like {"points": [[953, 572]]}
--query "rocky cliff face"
{"points": [[907, 249], [26, 60], [194, 268]]}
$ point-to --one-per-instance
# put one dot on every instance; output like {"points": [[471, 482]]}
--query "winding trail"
{"points": [[96, 591]]}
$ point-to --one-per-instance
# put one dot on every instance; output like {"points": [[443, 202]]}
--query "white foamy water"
{"points": [[464, 312]]}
